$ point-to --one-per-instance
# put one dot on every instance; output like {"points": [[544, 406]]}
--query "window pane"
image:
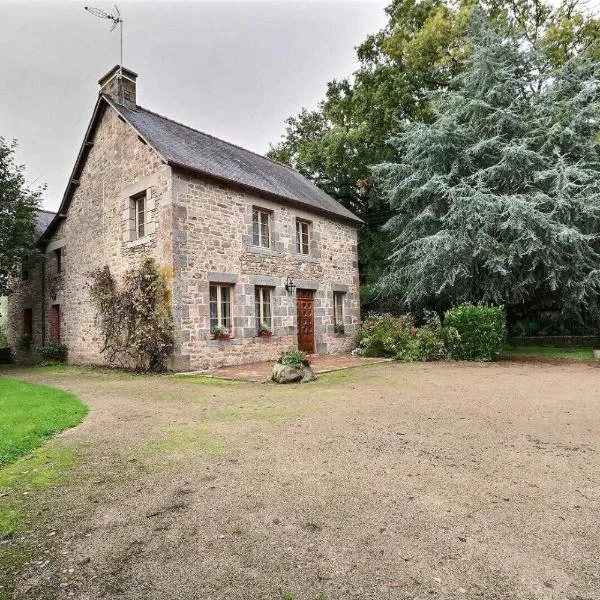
{"points": [[257, 291], [338, 313], [255, 228], [305, 238], [214, 321], [298, 237], [267, 307], [140, 216], [225, 307], [265, 233]]}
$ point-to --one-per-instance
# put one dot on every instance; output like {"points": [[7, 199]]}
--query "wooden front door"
{"points": [[306, 320]]}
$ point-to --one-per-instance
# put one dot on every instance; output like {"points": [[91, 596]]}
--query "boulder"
{"points": [[289, 374]]}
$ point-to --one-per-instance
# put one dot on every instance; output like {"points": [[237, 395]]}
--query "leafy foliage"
{"points": [[25, 342], [135, 321], [385, 335], [469, 333], [475, 332], [421, 49], [294, 358], [18, 205], [53, 352], [497, 200]]}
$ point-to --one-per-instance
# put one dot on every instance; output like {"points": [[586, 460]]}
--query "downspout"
{"points": [[44, 301]]}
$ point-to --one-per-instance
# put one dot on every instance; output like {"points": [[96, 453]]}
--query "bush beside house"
{"points": [[468, 332]]}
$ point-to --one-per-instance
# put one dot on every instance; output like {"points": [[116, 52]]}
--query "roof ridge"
{"points": [[214, 137]]}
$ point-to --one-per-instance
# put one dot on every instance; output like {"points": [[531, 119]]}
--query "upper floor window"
{"points": [[262, 303], [58, 255], [138, 207], [302, 236], [261, 227], [220, 308]]}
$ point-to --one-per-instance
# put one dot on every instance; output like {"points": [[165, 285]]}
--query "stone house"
{"points": [[248, 244]]}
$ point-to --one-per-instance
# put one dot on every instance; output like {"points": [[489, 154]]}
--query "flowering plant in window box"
{"points": [[221, 333], [339, 328], [264, 331]]}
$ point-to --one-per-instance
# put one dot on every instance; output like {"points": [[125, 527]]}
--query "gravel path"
{"points": [[390, 481]]}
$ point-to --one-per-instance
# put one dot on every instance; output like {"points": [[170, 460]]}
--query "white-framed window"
{"points": [[261, 227], [262, 304], [220, 307], [138, 207], [302, 236], [338, 309]]}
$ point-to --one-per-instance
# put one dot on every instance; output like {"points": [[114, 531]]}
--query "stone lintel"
{"points": [[220, 277]]}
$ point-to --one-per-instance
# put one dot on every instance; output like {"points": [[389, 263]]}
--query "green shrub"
{"points": [[293, 358], [3, 340], [53, 352], [25, 342], [474, 332], [386, 335]]}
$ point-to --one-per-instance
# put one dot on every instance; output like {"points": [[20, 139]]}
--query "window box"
{"points": [[221, 334], [265, 334], [222, 337]]}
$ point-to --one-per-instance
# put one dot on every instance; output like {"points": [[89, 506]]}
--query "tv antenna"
{"points": [[116, 19]]}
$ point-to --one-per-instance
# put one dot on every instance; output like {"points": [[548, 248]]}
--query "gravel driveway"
{"points": [[389, 481]]}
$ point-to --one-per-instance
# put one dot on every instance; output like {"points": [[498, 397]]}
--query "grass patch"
{"points": [[42, 468], [180, 440], [576, 353], [31, 414], [250, 411]]}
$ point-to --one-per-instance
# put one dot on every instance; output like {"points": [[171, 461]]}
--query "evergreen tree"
{"points": [[498, 198], [420, 49]]}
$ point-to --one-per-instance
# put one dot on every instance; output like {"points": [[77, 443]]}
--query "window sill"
{"points": [[263, 251], [140, 241], [305, 258], [223, 343]]}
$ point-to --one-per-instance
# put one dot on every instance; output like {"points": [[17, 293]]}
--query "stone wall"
{"points": [[213, 243], [96, 232]]}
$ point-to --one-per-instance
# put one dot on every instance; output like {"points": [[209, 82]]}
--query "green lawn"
{"points": [[548, 352], [30, 414]]}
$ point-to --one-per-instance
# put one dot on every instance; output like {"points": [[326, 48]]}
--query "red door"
{"points": [[306, 320]]}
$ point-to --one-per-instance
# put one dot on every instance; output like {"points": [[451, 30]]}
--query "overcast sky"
{"points": [[236, 70]]}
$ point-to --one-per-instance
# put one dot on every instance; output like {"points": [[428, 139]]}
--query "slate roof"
{"points": [[44, 218], [182, 146]]}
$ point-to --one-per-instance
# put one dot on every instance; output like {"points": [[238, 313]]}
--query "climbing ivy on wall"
{"points": [[135, 319]]}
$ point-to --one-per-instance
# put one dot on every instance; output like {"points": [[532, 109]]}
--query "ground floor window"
{"points": [[338, 311], [28, 321], [55, 323], [220, 308], [262, 303]]}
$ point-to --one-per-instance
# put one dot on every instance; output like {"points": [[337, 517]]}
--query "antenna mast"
{"points": [[116, 20]]}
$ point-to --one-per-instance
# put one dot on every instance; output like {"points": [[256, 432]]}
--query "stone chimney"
{"points": [[120, 89]]}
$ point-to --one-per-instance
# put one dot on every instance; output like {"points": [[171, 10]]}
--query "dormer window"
{"points": [[261, 228]]}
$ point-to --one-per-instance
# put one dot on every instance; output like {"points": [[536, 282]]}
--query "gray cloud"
{"points": [[233, 69]]}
